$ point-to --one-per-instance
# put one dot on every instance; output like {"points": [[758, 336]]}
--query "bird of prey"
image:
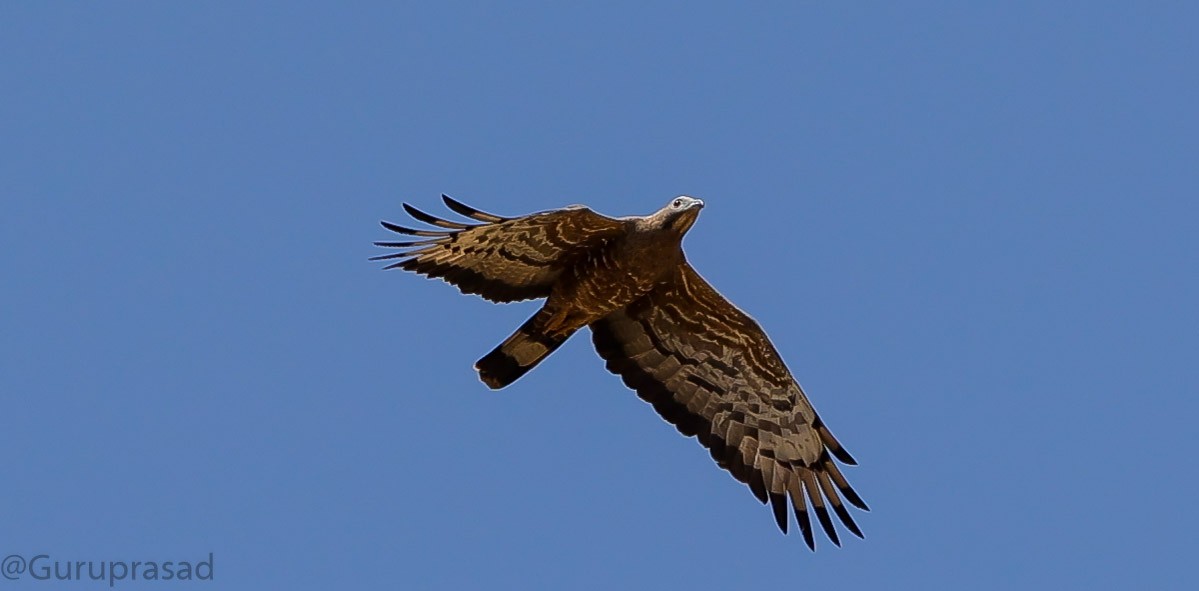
{"points": [[703, 364]]}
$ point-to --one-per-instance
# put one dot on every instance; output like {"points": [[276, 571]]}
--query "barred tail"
{"points": [[520, 352]]}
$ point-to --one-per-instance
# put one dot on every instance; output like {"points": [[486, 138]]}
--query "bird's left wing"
{"points": [[708, 368]]}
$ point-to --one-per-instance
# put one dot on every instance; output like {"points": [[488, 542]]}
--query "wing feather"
{"points": [[813, 490], [830, 493], [434, 220], [409, 231], [465, 210], [708, 369], [847, 491], [502, 259], [795, 492], [778, 503]]}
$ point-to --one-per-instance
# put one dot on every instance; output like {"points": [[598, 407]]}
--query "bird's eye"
{"points": [[677, 203]]}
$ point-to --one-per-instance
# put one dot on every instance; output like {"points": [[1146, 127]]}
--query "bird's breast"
{"points": [[612, 278]]}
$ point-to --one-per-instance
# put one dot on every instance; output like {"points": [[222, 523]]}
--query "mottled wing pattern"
{"points": [[502, 259], [708, 368]]}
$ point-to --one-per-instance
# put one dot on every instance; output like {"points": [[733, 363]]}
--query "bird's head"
{"points": [[682, 211]]}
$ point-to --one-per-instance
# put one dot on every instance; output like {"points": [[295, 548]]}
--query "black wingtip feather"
{"points": [[805, 526], [405, 244], [852, 496], [778, 503], [847, 491], [394, 255], [757, 487], [813, 490], [465, 210], [832, 444], [799, 506], [826, 522], [844, 456], [847, 519], [433, 220], [801, 517], [830, 493], [410, 231]]}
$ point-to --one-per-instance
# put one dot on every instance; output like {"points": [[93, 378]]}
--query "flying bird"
{"points": [[704, 365]]}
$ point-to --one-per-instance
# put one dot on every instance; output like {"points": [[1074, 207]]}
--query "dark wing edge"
{"points": [[502, 259], [710, 385]]}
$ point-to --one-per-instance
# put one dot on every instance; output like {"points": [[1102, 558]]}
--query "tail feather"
{"points": [[519, 353]]}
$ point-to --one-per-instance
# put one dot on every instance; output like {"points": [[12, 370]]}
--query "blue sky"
{"points": [[970, 230]]}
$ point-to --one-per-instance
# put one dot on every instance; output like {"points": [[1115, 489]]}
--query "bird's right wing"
{"points": [[502, 259], [708, 368]]}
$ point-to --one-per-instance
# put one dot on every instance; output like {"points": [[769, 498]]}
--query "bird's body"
{"points": [[705, 365], [608, 277]]}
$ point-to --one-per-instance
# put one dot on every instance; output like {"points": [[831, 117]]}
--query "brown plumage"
{"points": [[703, 364]]}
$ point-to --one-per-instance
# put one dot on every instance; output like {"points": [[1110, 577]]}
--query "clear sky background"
{"points": [[970, 230]]}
